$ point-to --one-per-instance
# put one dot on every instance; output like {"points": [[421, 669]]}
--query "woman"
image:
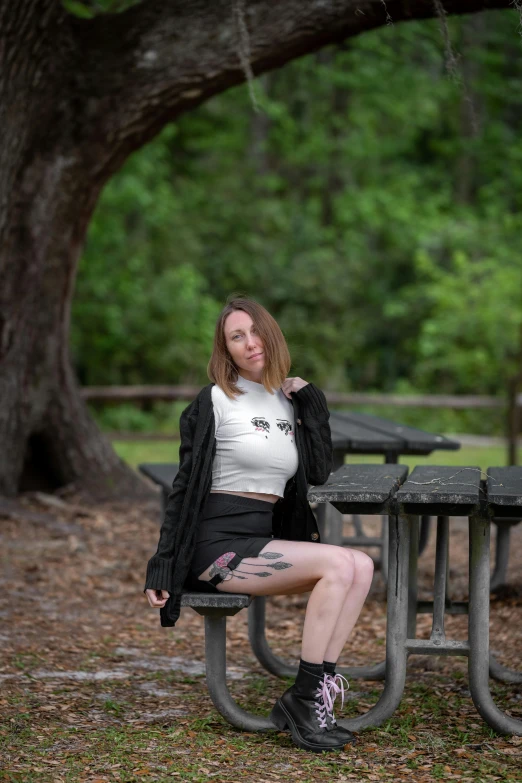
{"points": [[238, 519]]}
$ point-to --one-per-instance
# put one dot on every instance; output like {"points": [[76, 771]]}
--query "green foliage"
{"points": [[86, 9], [143, 313], [379, 225], [475, 316], [160, 417]]}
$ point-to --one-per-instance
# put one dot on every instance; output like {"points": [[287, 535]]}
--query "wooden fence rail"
{"points": [[171, 393]]}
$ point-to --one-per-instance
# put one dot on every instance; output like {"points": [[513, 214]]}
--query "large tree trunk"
{"points": [[49, 189], [76, 98]]}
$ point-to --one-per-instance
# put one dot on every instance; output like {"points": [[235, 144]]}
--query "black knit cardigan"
{"points": [[293, 518]]}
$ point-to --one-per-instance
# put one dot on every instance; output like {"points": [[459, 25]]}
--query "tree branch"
{"points": [[140, 69]]}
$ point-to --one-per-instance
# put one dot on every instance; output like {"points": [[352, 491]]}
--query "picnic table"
{"points": [[444, 492]]}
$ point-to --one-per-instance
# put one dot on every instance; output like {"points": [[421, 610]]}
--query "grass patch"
{"points": [[136, 452], [481, 456]]}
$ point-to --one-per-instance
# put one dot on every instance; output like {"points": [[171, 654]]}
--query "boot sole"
{"points": [[284, 721]]}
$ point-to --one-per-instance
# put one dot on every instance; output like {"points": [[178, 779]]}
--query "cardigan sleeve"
{"points": [[160, 565], [316, 435]]}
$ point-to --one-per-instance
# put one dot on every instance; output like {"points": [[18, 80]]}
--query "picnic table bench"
{"points": [[385, 489]]}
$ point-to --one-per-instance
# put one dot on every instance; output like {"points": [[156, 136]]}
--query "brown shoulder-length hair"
{"points": [[221, 368]]}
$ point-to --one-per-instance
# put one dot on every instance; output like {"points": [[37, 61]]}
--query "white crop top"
{"points": [[255, 440]]}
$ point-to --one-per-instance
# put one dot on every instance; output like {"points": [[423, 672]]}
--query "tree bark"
{"points": [[76, 98], [48, 191]]}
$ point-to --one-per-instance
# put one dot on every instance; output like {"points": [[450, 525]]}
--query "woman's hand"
{"points": [[292, 385], [155, 599]]}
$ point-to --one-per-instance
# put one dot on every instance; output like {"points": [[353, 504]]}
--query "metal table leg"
{"points": [[396, 628], [422, 541], [258, 641], [216, 673], [440, 586], [333, 521], [502, 673], [479, 586], [385, 526], [356, 522], [424, 533], [412, 578], [501, 556]]}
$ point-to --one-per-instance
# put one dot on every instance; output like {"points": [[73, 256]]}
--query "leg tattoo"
{"points": [[221, 567], [225, 559]]}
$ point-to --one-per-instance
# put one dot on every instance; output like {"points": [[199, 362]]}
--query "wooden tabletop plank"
{"points": [[505, 486], [360, 484], [429, 484]]}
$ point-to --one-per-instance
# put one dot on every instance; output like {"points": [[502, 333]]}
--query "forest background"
{"points": [[373, 204]]}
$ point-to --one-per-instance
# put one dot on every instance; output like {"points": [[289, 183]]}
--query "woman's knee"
{"points": [[340, 568], [364, 567]]}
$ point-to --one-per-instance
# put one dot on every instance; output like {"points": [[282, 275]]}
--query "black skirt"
{"points": [[229, 523]]}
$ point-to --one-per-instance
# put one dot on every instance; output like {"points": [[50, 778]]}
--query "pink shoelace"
{"points": [[325, 696], [331, 687], [323, 703], [320, 709]]}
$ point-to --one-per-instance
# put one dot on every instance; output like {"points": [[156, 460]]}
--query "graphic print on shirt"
{"points": [[285, 426], [261, 424]]}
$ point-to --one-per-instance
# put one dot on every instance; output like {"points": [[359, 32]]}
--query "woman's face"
{"points": [[244, 345]]}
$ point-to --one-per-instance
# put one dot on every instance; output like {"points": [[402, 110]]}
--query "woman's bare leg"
{"points": [[289, 566], [352, 605]]}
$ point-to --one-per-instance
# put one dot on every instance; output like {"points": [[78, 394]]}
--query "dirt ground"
{"points": [[92, 688]]}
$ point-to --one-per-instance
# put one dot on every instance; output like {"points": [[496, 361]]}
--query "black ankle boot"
{"points": [[303, 711]]}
